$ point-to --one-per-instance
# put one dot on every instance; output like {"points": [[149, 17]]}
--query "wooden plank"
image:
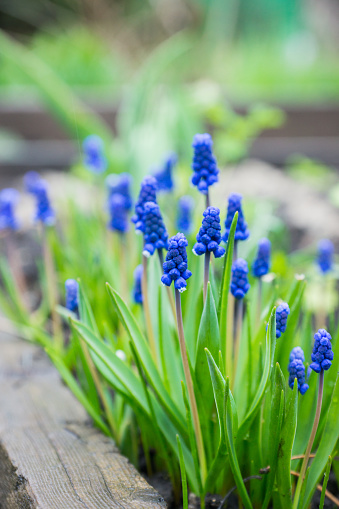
{"points": [[50, 455]]}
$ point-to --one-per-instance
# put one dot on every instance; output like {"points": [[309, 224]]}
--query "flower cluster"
{"points": [[38, 187], [184, 219], [94, 156], [164, 176], [120, 184], [234, 205], [137, 290], [208, 238], [175, 265], [261, 264], [204, 164], [322, 355], [296, 369], [325, 255], [8, 199], [239, 282], [153, 228], [72, 294], [282, 313], [118, 214], [147, 194]]}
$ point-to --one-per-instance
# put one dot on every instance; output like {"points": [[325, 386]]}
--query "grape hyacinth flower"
{"points": [[147, 194], [39, 189], [175, 265], [239, 282], [31, 178], [322, 355], [137, 290], [94, 156], [184, 214], [209, 237], [72, 295], [261, 264], [282, 313], [325, 255], [234, 205], [296, 370], [120, 184], [164, 176], [118, 213], [8, 199], [155, 233], [204, 164]]}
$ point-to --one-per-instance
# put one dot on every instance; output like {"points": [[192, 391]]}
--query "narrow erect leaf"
{"points": [[183, 475], [208, 337], [219, 390], [326, 477], [85, 310], [285, 448], [224, 290], [326, 446]]}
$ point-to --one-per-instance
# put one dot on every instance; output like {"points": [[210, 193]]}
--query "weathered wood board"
{"points": [[50, 455]]}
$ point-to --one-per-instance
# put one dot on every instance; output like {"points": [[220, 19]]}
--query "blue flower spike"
{"points": [[204, 165], [164, 177], [322, 355], [209, 237], [137, 289], [38, 187], [118, 214], [120, 184], [325, 255], [94, 155], [296, 370], [8, 199], [239, 281], [72, 294], [147, 193], [281, 315], [175, 265], [154, 230], [184, 214], [234, 205], [261, 265]]}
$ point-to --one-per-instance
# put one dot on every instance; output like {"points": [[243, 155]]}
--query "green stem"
{"points": [[311, 440], [259, 302], [168, 288], [229, 337], [190, 389], [145, 302], [206, 272], [237, 335], [207, 199]]}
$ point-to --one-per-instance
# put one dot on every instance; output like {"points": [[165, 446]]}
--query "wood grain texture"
{"points": [[50, 455]]}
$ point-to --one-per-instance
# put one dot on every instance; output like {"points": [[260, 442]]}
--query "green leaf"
{"points": [[285, 448], [223, 298], [147, 361], [326, 477], [208, 337], [183, 475], [229, 420], [72, 384], [85, 310], [219, 390], [269, 355], [326, 446]]}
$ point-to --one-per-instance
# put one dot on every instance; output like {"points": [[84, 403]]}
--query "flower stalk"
{"points": [[148, 320]]}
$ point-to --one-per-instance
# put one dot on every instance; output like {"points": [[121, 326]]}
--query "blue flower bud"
{"points": [[8, 199], [118, 213], [261, 264], [94, 156], [153, 228], [184, 214], [239, 282], [204, 165], [164, 176], [72, 294], [39, 189], [120, 184], [137, 289], [209, 237], [325, 255], [322, 355], [147, 194], [281, 315], [296, 369], [175, 265], [234, 205]]}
